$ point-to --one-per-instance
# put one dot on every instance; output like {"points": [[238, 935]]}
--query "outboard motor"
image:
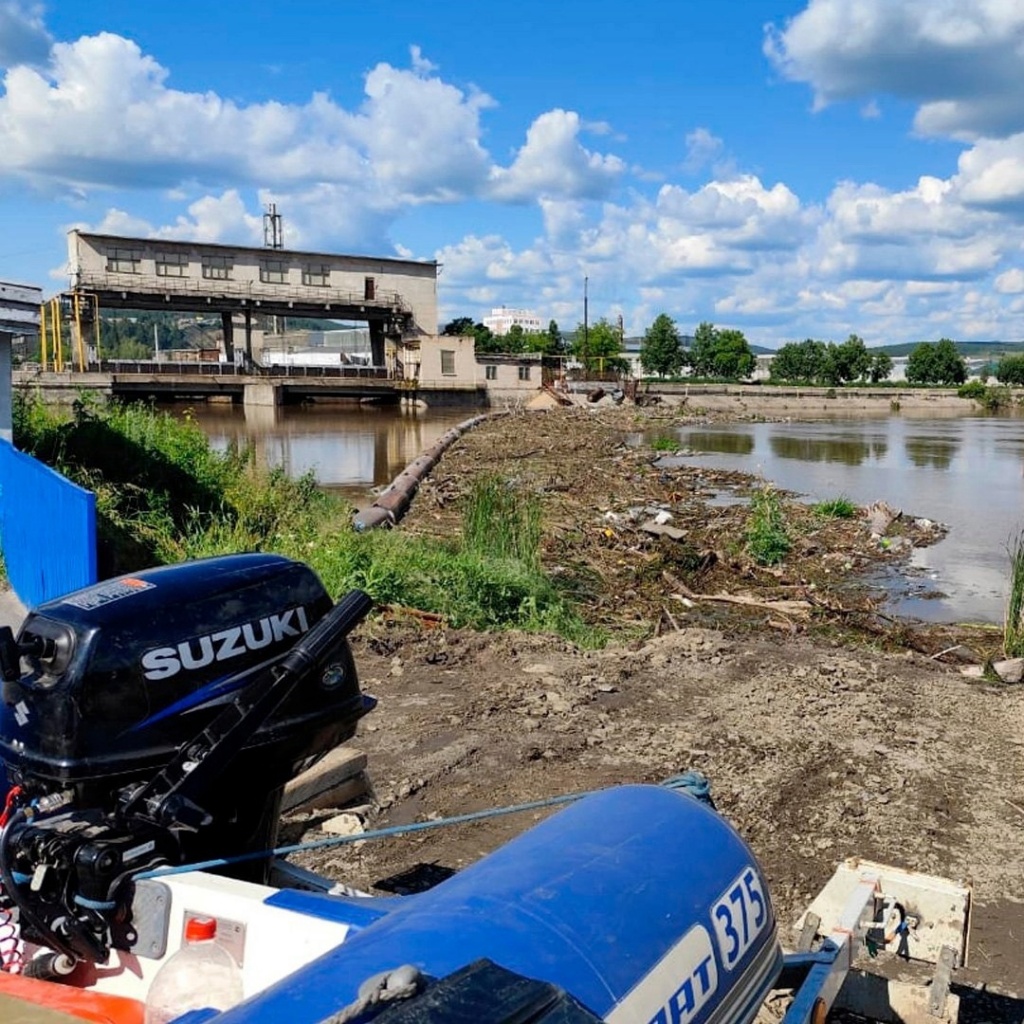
{"points": [[154, 719]]}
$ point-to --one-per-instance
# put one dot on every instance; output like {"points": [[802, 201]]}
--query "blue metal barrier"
{"points": [[47, 529]]}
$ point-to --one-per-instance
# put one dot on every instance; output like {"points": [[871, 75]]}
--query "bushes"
{"points": [[767, 539], [163, 495]]}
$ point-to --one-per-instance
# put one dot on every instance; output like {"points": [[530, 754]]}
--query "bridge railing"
{"points": [[243, 290], [47, 529], [211, 369]]}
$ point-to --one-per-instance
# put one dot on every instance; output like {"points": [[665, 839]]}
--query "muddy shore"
{"points": [[827, 730]]}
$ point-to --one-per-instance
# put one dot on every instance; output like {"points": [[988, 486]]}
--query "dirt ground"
{"points": [[827, 731]]}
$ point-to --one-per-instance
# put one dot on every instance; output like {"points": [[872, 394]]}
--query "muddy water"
{"points": [[967, 473], [351, 448]]}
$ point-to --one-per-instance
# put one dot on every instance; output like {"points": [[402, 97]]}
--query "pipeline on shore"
{"points": [[393, 502]]}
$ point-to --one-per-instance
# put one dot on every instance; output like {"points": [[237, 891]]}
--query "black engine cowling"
{"points": [[121, 713]]}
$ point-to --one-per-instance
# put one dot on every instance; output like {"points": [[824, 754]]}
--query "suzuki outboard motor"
{"points": [[154, 719]]}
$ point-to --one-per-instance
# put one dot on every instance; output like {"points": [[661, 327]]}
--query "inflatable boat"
{"points": [[149, 724]]}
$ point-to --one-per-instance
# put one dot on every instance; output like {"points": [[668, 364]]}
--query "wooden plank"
{"points": [[939, 991], [325, 777], [807, 933]]}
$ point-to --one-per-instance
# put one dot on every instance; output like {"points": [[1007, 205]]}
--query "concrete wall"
{"points": [[110, 263], [424, 362], [19, 314], [510, 374], [6, 433]]}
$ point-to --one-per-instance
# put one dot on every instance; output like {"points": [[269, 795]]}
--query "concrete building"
{"points": [[511, 375], [19, 314], [397, 299], [501, 321]]}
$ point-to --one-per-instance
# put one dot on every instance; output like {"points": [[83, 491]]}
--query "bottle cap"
{"points": [[199, 929]]}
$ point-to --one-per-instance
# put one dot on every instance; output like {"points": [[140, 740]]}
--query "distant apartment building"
{"points": [[503, 319]]}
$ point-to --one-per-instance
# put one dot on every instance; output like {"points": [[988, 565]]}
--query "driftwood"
{"points": [[796, 609]]}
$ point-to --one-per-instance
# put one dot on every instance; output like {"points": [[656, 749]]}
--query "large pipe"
{"points": [[393, 502]]}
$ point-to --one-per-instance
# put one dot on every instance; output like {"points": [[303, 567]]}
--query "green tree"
{"points": [[800, 361], [514, 340], [702, 351], [734, 360], [721, 353], [660, 351], [1010, 370], [556, 343], [461, 326], [485, 341], [880, 368], [847, 362], [600, 347], [938, 363]]}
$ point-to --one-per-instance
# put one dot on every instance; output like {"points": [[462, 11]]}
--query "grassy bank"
{"points": [[163, 495]]}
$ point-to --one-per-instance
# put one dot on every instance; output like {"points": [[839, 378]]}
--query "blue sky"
{"points": [[796, 168]]}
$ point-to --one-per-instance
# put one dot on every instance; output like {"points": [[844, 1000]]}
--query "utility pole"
{"points": [[586, 327], [273, 228], [156, 343], [273, 238]]}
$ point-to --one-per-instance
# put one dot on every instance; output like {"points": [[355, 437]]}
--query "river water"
{"points": [[966, 472], [351, 448]]}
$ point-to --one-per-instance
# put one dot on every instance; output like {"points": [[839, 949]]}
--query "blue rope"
{"points": [[692, 782]]}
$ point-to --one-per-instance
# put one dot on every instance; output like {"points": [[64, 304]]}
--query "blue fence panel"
{"points": [[47, 529]]}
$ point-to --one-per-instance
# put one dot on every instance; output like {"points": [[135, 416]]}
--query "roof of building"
{"points": [[260, 250]]}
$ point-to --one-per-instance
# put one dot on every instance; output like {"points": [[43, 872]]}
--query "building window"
{"points": [[447, 362], [524, 373], [123, 261], [317, 275], [490, 373], [218, 268], [171, 264], [274, 271], [369, 289]]}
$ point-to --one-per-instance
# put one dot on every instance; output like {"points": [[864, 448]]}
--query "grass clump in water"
{"points": [[835, 508], [1013, 627], [665, 443], [767, 539]]}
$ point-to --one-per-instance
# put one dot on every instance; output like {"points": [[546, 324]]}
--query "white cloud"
{"points": [[1010, 282], [554, 164], [991, 173], [702, 149], [23, 36], [958, 60]]}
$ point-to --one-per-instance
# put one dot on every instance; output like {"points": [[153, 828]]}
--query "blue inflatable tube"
{"points": [[641, 902]]}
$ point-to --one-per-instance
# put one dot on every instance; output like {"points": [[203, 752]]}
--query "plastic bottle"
{"points": [[201, 974]]}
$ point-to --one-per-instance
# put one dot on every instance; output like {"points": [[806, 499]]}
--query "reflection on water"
{"points": [[931, 453], [967, 473], [350, 448], [725, 441], [849, 451]]}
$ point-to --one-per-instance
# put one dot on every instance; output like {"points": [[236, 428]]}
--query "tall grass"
{"points": [[767, 539], [501, 521], [1013, 627], [835, 508], [163, 496]]}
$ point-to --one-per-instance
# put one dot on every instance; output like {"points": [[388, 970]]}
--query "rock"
{"points": [[656, 529], [556, 703], [343, 825]]}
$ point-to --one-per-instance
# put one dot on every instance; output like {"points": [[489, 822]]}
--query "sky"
{"points": [[791, 168]]}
